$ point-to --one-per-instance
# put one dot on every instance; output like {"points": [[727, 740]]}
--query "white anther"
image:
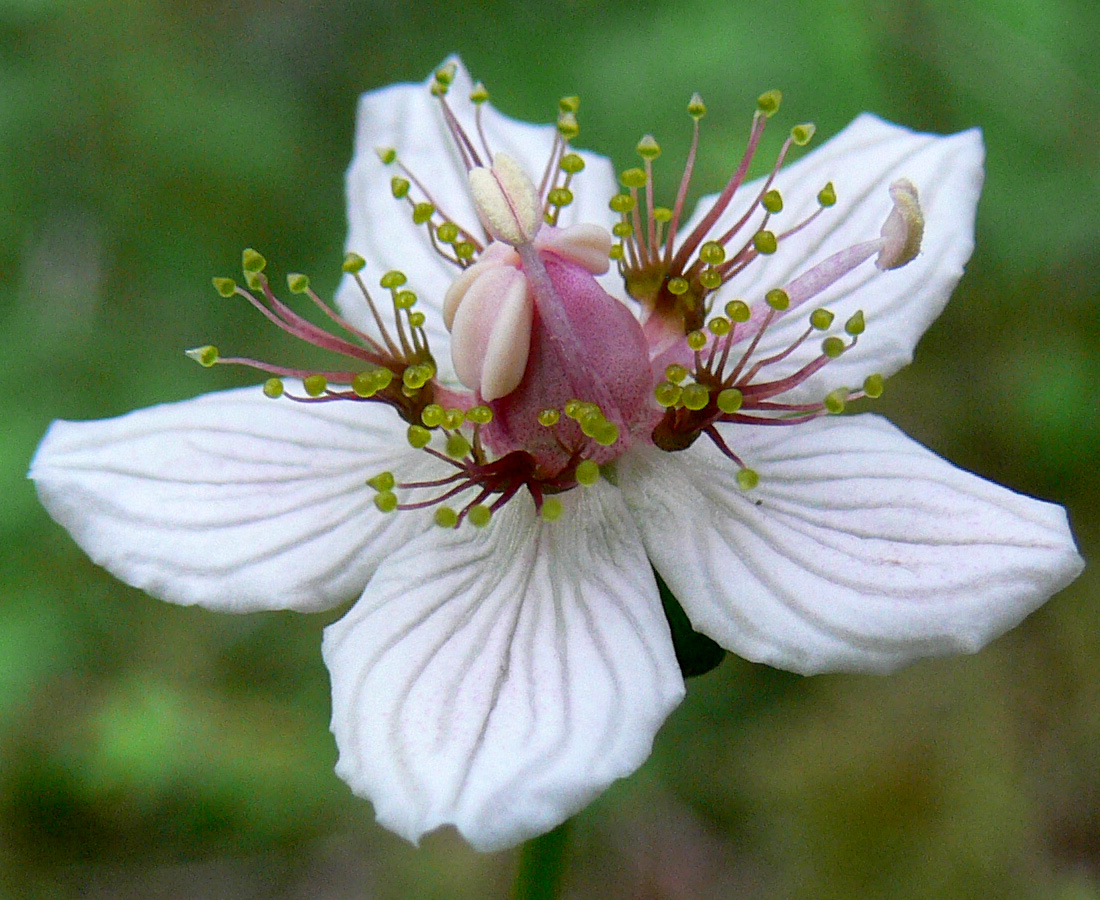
{"points": [[903, 229], [491, 331]]}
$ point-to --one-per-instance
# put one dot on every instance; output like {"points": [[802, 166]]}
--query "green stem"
{"points": [[541, 865]]}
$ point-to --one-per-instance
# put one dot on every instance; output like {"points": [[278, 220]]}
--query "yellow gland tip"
{"points": [[385, 501], [479, 515], [695, 396], [571, 163], [315, 385], [729, 400], [719, 326], [432, 415], [765, 242], [738, 311], [827, 195], [821, 319], [419, 436], [712, 253], [353, 263], [399, 187], [667, 394], [836, 400], [588, 473], [778, 299], [226, 287], [273, 388], [873, 386], [648, 148], [457, 446], [696, 107], [548, 418], [633, 178], [297, 283], [803, 134], [479, 415], [251, 261], [551, 509], [772, 201], [696, 340], [768, 102], [386, 154], [383, 481], [856, 324], [453, 419], [678, 286], [832, 347], [205, 356], [445, 517], [747, 479]]}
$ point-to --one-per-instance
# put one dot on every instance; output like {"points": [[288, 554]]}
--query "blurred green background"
{"points": [[150, 751]]}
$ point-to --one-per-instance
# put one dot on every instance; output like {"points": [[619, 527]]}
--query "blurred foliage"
{"points": [[157, 752]]}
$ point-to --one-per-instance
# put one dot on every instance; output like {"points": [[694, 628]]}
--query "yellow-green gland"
{"points": [[445, 517], [821, 319], [765, 242], [738, 311], [678, 286], [855, 325], [675, 373], [273, 388], [827, 195], [251, 261], [747, 479], [432, 415], [778, 299], [719, 326], [551, 509], [419, 436], [588, 473], [548, 418], [667, 394], [399, 187], [297, 283], [457, 446], [873, 386], [385, 501], [479, 415], [836, 400], [453, 419], [729, 400], [383, 481], [633, 178], [768, 102], [226, 287], [353, 263], [571, 164], [392, 279], [205, 356], [696, 340], [712, 253], [772, 201], [315, 385], [803, 134], [479, 515], [695, 396], [832, 347]]}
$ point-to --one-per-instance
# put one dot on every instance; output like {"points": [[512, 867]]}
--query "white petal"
{"points": [[499, 680], [862, 162], [407, 118], [232, 500], [859, 550]]}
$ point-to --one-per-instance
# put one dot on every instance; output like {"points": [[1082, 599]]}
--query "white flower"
{"points": [[499, 677]]}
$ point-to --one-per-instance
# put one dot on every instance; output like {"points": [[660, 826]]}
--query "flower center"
{"points": [[558, 378]]}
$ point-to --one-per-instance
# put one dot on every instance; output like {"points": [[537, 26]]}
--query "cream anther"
{"points": [[904, 227], [506, 200]]}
